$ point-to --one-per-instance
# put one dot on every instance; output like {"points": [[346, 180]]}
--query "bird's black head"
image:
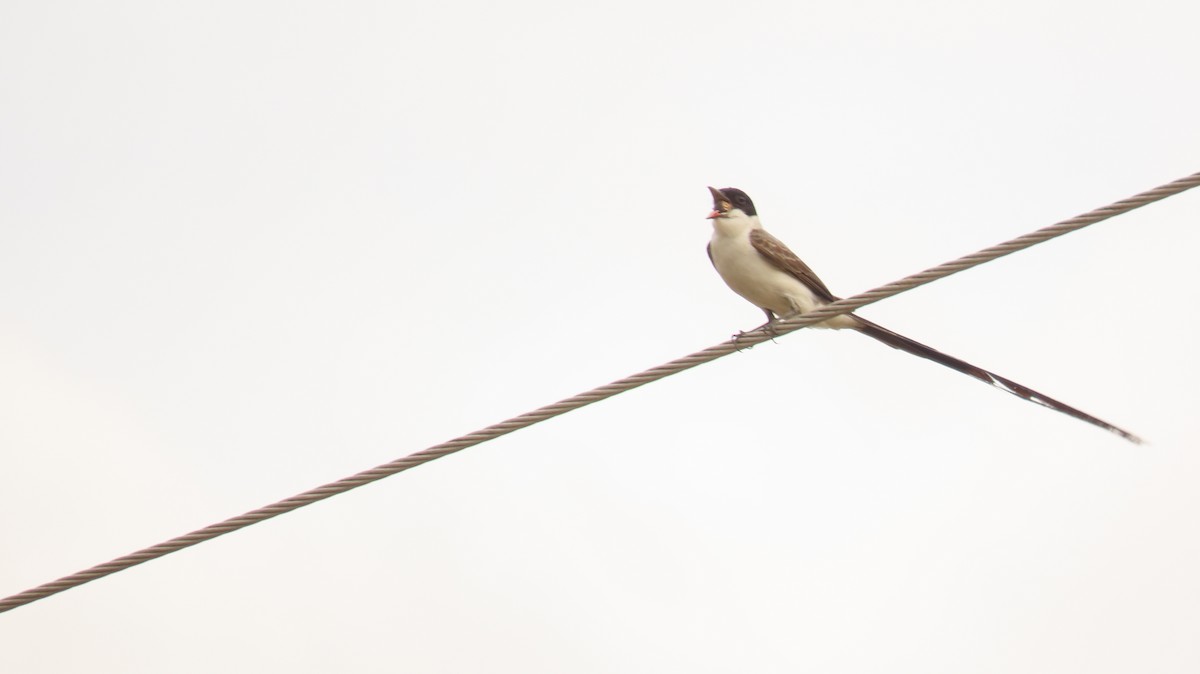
{"points": [[729, 198]]}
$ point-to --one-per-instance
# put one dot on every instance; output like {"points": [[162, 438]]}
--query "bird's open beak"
{"points": [[719, 201]]}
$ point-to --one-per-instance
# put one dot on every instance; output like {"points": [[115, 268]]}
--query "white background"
{"points": [[247, 248]]}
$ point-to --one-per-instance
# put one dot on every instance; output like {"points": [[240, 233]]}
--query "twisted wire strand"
{"points": [[789, 324]]}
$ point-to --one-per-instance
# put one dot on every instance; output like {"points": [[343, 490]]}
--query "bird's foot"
{"points": [[767, 328]]}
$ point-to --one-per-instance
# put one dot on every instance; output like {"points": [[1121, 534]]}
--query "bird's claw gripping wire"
{"points": [[767, 328]]}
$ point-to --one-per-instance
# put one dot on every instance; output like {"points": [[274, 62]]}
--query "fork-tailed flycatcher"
{"points": [[761, 269]]}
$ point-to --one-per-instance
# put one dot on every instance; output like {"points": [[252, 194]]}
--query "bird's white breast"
{"points": [[750, 275]]}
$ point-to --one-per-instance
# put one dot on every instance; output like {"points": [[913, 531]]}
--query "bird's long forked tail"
{"points": [[898, 341]]}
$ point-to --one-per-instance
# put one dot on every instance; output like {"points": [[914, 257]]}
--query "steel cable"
{"points": [[742, 341]]}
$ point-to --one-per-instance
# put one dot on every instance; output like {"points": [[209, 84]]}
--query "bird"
{"points": [[764, 271]]}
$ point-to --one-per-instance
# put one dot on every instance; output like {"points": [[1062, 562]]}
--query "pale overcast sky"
{"points": [[247, 248]]}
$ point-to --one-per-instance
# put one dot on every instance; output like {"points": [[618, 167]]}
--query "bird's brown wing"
{"points": [[785, 260]]}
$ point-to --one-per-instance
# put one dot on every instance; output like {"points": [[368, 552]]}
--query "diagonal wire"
{"points": [[986, 255], [599, 393]]}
